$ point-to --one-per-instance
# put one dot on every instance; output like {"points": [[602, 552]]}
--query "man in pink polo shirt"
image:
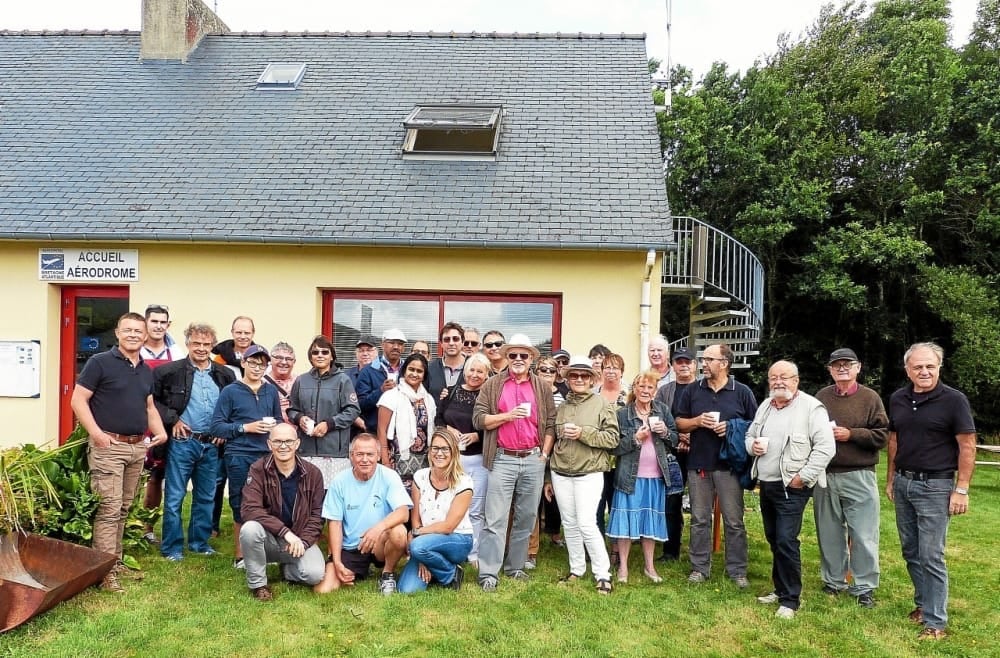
{"points": [[517, 412]]}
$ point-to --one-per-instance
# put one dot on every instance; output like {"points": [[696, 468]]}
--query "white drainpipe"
{"points": [[644, 307]]}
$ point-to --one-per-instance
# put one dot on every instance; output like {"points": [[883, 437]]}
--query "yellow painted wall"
{"points": [[281, 288]]}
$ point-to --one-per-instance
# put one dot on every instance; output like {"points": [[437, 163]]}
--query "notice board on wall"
{"points": [[20, 368]]}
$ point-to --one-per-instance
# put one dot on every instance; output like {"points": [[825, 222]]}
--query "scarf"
{"points": [[403, 424]]}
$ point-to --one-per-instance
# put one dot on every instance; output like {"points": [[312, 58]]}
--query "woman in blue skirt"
{"points": [[647, 470]]}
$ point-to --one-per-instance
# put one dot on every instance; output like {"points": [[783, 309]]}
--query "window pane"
{"points": [[531, 318], [353, 318]]}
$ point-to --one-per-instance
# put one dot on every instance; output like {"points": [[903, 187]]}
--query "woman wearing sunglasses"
{"points": [[586, 432], [441, 537], [323, 406]]}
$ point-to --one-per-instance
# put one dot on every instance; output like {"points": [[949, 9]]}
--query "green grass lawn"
{"points": [[200, 607]]}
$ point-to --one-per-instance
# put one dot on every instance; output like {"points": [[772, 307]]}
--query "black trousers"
{"points": [[781, 509]]}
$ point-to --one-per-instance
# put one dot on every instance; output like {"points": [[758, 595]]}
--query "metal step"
{"points": [[719, 315], [723, 329]]}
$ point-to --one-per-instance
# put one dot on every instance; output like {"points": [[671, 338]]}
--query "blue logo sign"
{"points": [[52, 262]]}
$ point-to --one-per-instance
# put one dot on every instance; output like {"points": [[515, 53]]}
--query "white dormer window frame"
{"points": [[453, 132], [281, 76]]}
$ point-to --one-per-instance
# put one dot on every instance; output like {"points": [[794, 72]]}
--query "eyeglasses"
{"points": [[518, 356], [289, 359], [709, 359], [547, 371], [443, 450], [493, 344], [283, 443], [471, 343], [578, 375], [843, 365], [781, 378], [451, 339], [255, 365], [319, 352]]}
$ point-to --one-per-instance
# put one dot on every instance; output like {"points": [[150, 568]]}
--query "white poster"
{"points": [[89, 265], [20, 374]]}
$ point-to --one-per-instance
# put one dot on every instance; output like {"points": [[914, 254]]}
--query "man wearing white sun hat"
{"points": [[517, 412]]}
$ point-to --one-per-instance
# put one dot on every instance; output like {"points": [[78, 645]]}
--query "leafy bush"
{"points": [[52, 494]]}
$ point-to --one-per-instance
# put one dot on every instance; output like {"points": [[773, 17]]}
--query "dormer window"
{"points": [[453, 131], [281, 76]]}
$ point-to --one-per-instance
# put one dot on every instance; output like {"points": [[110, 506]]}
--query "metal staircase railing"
{"points": [[726, 282]]}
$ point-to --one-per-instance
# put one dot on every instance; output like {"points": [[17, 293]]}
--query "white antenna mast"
{"points": [[667, 99]]}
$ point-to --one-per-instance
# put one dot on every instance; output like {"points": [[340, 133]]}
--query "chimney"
{"points": [[172, 29]]}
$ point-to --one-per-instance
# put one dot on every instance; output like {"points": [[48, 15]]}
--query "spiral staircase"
{"points": [[725, 284]]}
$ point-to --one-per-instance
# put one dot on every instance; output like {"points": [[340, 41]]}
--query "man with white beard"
{"points": [[792, 441]]}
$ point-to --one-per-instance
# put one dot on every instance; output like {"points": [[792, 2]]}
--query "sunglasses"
{"points": [[518, 356], [547, 371], [577, 375], [492, 345], [319, 352], [471, 343], [451, 339]]}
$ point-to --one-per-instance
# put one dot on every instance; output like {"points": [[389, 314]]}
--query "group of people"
{"points": [[448, 460]]}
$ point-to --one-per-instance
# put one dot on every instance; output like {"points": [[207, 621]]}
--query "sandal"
{"points": [[569, 578], [604, 586]]}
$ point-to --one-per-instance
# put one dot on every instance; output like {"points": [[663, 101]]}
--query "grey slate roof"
{"points": [[95, 144]]}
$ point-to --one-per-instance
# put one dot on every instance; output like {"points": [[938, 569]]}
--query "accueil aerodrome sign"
{"points": [[91, 265]]}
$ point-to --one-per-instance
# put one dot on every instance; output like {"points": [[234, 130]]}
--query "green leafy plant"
{"points": [[27, 493]]}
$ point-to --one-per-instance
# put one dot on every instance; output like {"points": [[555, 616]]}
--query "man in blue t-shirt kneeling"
{"points": [[367, 508]]}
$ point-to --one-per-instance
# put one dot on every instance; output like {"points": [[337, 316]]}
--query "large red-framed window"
{"points": [[349, 314]]}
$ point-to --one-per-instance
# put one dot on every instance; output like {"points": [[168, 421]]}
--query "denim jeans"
{"points": [[473, 465], [516, 480], [847, 510], [114, 476], [189, 459], [237, 468], [439, 553], [782, 508], [578, 499], [922, 521], [703, 491], [260, 547]]}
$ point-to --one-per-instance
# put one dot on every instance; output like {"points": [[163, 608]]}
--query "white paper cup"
{"points": [[764, 442], [714, 415], [310, 426], [269, 420], [393, 377], [833, 424], [653, 420], [526, 406]]}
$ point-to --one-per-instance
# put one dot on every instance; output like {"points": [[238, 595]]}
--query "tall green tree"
{"points": [[860, 163]]}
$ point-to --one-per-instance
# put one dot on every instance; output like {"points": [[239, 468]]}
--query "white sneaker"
{"points": [[768, 599], [529, 564], [785, 613]]}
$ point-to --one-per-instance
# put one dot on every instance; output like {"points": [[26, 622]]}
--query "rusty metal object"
{"points": [[37, 573]]}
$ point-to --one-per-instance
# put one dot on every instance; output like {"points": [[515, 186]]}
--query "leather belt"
{"points": [[923, 476], [204, 437], [520, 454], [130, 439]]}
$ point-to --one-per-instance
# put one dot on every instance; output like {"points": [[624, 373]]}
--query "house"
{"points": [[336, 183]]}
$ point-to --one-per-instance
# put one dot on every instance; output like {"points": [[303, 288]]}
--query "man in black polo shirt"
{"points": [[931, 436], [704, 410], [113, 400]]}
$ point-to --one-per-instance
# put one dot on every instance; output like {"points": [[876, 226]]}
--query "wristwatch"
{"points": [[962, 491]]}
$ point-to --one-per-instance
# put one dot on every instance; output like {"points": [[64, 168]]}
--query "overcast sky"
{"points": [[734, 31]]}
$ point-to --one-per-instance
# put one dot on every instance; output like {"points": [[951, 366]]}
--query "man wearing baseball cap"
{"points": [[380, 376], [244, 415], [850, 500], [517, 412]]}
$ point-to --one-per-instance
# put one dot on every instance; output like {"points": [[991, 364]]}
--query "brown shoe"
{"points": [[262, 593], [123, 571], [932, 634], [917, 616], [111, 584]]}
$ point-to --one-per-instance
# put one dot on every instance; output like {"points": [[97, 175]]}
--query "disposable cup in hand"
{"points": [[463, 443], [653, 420], [268, 420], [714, 415], [763, 441], [526, 406], [310, 425], [393, 377], [833, 424]]}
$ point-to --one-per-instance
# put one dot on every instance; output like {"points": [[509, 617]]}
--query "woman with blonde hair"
{"points": [[441, 537], [647, 470]]}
